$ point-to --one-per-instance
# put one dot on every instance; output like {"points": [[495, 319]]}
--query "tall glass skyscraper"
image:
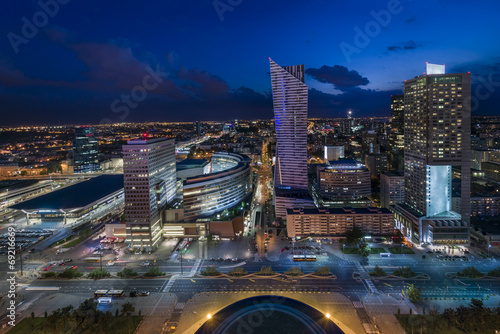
{"points": [[149, 184], [290, 116], [436, 138], [85, 150]]}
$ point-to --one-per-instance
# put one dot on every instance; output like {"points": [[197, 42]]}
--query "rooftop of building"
{"points": [[75, 196], [147, 140], [345, 164], [488, 225], [191, 163], [339, 211], [394, 173]]}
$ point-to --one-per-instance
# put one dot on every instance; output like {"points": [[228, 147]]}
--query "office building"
{"points": [[437, 137], [334, 223], [85, 151], [377, 163], [491, 170], [333, 153], [396, 135], [149, 184], [344, 179], [392, 189], [290, 116]]}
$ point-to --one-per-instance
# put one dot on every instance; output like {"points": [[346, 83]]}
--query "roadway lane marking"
{"points": [[388, 284], [251, 280], [192, 280], [230, 280]]}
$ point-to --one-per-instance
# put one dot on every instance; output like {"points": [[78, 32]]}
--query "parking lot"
{"points": [[24, 239]]}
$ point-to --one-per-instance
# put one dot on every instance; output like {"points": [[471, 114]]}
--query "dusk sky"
{"points": [[91, 62]]}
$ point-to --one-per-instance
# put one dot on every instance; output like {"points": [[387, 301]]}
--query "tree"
{"points": [[363, 248], [352, 236], [322, 271], [294, 271], [238, 271], [99, 273], [128, 308], [414, 293], [210, 271]]}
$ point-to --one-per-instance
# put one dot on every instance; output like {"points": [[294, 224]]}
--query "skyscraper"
{"points": [[85, 150], [436, 137], [397, 122], [290, 115], [149, 184]]}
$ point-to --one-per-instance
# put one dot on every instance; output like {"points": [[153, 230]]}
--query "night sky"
{"points": [[125, 61]]}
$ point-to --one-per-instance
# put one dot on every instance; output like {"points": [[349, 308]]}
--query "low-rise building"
{"points": [[392, 188], [329, 223]]}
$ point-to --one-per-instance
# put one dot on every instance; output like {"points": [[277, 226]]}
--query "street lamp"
{"points": [[343, 254], [327, 315], [489, 246], [209, 316]]}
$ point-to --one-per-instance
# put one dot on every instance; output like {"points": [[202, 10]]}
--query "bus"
{"points": [[92, 259], [307, 258], [100, 293], [115, 293]]}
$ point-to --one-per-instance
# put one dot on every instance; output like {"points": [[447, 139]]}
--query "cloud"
{"points": [[338, 75], [409, 45]]}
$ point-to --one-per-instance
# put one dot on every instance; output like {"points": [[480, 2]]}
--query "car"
{"points": [[430, 252], [62, 263], [234, 259], [133, 294], [228, 259], [110, 263], [466, 252], [145, 293], [145, 264], [212, 259], [74, 267], [438, 251], [220, 259]]}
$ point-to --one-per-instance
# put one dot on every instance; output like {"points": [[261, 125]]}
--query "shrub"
{"points": [[265, 271], [377, 271], [99, 273], [154, 272], [470, 272], [127, 272], [238, 271], [294, 271], [495, 272], [70, 273], [322, 271], [404, 272], [210, 271], [49, 274]]}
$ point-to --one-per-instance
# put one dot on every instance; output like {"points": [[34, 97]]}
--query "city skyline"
{"points": [[355, 55]]}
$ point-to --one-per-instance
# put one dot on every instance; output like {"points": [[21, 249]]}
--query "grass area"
{"points": [[116, 325], [74, 242], [354, 250], [399, 250], [420, 322], [350, 250], [377, 250]]}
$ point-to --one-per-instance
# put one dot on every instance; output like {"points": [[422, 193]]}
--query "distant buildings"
{"points": [[333, 153], [377, 163], [330, 223], [392, 189], [491, 170], [149, 184], [85, 151], [437, 137]]}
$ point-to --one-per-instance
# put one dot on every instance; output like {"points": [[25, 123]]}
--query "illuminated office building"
{"points": [[437, 137], [396, 135], [149, 184], [85, 150]]}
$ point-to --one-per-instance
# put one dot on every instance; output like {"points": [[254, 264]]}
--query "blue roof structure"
{"points": [[76, 196]]}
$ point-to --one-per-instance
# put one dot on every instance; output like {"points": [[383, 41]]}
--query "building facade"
{"points": [[85, 151], [343, 179], [392, 189], [329, 223], [396, 135], [333, 153], [290, 115], [207, 194], [437, 137], [149, 184]]}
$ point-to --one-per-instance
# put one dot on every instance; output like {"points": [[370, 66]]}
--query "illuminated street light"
{"points": [[327, 315], [209, 316]]}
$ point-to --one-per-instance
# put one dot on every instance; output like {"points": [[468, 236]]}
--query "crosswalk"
{"points": [[179, 306], [169, 284], [357, 304]]}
